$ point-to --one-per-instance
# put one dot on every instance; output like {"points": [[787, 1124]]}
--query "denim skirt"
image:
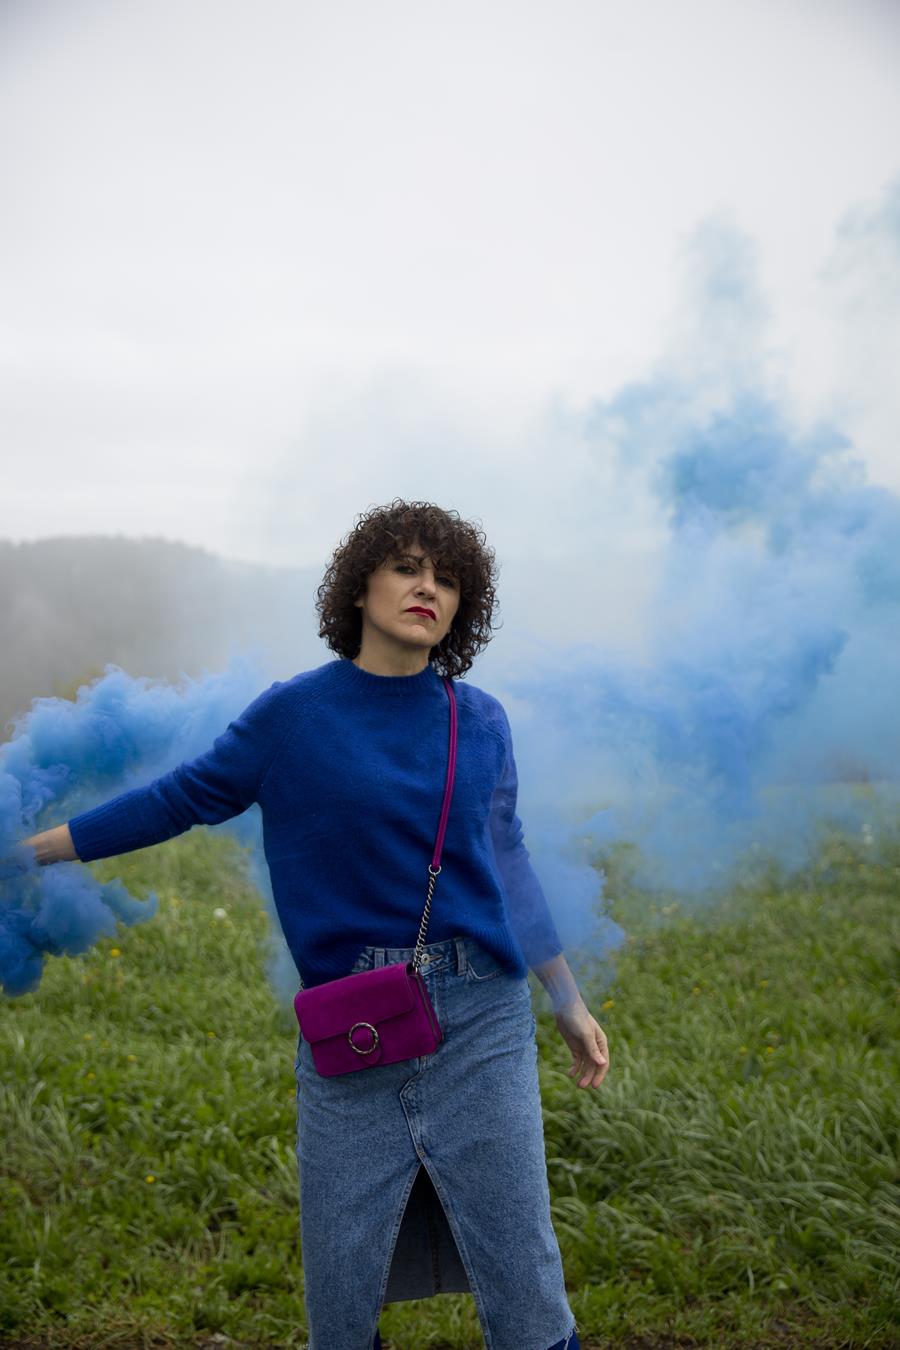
{"points": [[429, 1175]]}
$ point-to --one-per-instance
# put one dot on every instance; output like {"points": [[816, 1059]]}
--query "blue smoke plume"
{"points": [[766, 707], [64, 757]]}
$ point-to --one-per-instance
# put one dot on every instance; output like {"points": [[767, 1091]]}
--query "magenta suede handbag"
{"points": [[378, 1016]]}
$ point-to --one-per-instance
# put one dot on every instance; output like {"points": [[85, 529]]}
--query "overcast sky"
{"points": [[265, 264]]}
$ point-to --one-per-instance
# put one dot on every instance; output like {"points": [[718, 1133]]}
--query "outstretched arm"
{"points": [[213, 787]]}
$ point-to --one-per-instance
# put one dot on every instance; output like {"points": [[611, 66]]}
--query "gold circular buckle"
{"points": [[358, 1048]]}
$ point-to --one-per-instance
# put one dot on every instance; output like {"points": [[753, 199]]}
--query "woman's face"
{"points": [[405, 581]]}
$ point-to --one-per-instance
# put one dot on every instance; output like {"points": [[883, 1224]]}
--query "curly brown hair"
{"points": [[452, 543]]}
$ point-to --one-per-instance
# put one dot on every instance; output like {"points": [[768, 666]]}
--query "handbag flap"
{"points": [[369, 996]]}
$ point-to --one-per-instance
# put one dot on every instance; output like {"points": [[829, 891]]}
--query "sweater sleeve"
{"points": [[530, 917], [213, 787]]}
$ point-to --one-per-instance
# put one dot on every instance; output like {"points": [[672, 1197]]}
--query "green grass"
{"points": [[732, 1183]]}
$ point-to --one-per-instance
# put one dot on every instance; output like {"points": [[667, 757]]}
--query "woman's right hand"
{"points": [[52, 846]]}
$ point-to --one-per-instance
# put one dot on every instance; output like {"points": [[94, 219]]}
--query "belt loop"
{"points": [[460, 955], [379, 957]]}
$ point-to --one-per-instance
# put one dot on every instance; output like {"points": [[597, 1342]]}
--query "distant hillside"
{"points": [[156, 608]]}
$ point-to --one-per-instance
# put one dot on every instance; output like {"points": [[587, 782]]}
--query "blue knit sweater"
{"points": [[349, 769]]}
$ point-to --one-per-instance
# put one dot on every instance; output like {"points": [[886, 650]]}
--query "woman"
{"points": [[426, 1175]]}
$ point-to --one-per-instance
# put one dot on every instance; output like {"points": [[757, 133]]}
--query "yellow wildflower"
{"points": [[763, 984], [131, 1058], [610, 1002], [149, 1178], [211, 1035], [114, 951], [88, 1035], [90, 1077]]}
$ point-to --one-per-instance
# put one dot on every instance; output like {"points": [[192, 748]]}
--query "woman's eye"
{"points": [[405, 567]]}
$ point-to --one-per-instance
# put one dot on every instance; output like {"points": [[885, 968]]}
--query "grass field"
{"points": [[734, 1182]]}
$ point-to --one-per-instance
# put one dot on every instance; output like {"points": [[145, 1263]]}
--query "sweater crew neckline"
{"points": [[402, 686]]}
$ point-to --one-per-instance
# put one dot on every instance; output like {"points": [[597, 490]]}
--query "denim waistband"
{"points": [[450, 954]]}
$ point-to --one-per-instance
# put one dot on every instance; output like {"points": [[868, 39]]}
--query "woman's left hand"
{"points": [[587, 1041]]}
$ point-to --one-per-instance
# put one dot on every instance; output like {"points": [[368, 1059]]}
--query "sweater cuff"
{"points": [[107, 830]]}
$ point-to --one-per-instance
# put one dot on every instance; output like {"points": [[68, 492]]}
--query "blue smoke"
{"points": [[65, 757], [766, 709]]}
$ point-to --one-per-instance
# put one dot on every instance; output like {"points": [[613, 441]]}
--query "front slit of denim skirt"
{"points": [[429, 1175]]}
